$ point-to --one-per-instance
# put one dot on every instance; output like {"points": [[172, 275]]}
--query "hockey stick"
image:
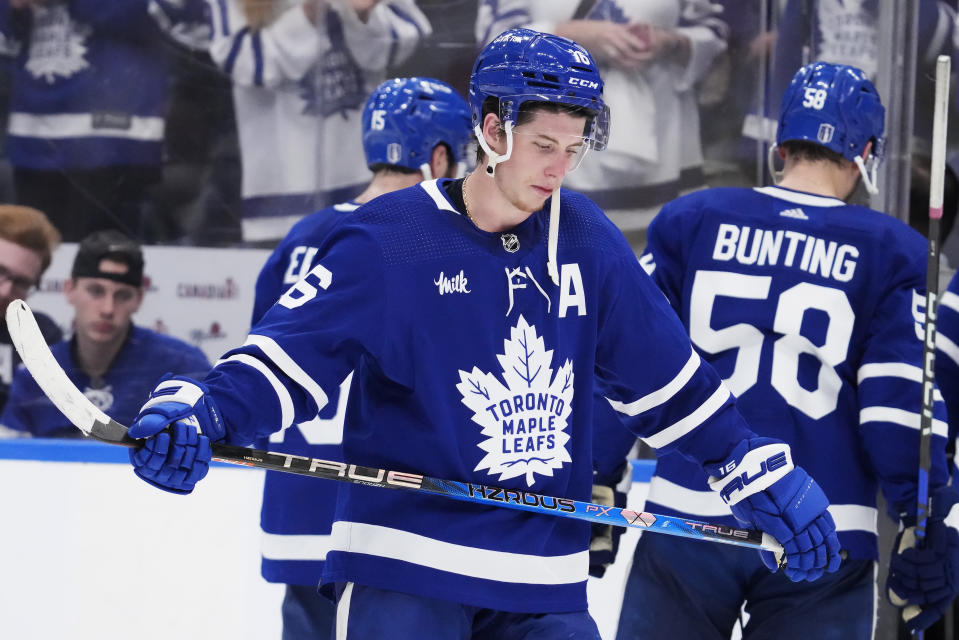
{"points": [[54, 382], [936, 179]]}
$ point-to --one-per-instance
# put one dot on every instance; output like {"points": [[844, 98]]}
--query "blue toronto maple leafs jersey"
{"points": [[947, 357], [144, 357], [472, 365], [297, 513], [89, 84], [811, 310]]}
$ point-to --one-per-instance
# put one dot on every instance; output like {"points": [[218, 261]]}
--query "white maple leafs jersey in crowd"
{"points": [[297, 513], [298, 91], [471, 365], [947, 357], [812, 311]]}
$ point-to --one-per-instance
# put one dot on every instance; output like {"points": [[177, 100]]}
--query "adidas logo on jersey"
{"points": [[794, 213]]}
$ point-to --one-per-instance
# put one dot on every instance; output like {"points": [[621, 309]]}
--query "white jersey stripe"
{"points": [[80, 125], [894, 370], [678, 429], [287, 365], [661, 395], [706, 504], [947, 347], [439, 199], [282, 393], [901, 417], [800, 198], [502, 566], [854, 517], [274, 546], [951, 300]]}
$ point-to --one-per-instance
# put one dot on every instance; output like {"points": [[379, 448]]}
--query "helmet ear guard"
{"points": [[837, 107]]}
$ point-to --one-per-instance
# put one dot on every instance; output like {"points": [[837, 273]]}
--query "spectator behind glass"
{"points": [[27, 241], [301, 73], [651, 54], [848, 33], [87, 116], [113, 362]]}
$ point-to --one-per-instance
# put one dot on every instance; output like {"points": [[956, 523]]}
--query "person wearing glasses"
{"points": [[114, 362], [27, 241]]}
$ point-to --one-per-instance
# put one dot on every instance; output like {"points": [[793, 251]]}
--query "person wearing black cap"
{"points": [[113, 361]]}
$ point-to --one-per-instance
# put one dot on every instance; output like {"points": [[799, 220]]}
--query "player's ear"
{"points": [[441, 163], [493, 132]]}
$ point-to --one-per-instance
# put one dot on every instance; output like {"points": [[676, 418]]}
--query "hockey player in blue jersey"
{"points": [[414, 129], [114, 362], [807, 307], [477, 316], [947, 361]]}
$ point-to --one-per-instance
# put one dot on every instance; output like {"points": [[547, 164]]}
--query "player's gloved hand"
{"points": [[763, 489], [176, 459], [604, 538], [925, 580]]}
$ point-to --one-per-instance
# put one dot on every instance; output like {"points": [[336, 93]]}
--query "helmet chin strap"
{"points": [[553, 239], [868, 177], [426, 171], [494, 158], [777, 176]]}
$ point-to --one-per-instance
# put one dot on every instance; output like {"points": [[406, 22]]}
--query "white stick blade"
{"points": [[29, 343]]}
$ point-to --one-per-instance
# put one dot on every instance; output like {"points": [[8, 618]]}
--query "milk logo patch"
{"points": [[524, 414]]}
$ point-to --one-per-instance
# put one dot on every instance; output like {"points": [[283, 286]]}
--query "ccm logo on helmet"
{"points": [[582, 82], [743, 480]]}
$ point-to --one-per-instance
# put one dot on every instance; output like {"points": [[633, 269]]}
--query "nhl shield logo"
{"points": [[825, 133], [510, 242]]}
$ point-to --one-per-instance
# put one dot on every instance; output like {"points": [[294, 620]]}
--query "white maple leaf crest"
{"points": [[525, 419]]}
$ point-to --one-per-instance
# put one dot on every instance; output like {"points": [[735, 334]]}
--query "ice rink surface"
{"points": [[90, 552]]}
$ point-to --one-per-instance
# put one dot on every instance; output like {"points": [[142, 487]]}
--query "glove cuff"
{"points": [[747, 474]]}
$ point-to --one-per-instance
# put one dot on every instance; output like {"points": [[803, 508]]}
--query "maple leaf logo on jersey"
{"points": [[525, 419]]}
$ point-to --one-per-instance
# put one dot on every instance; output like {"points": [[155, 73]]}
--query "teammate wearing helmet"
{"points": [[807, 307], [476, 323], [414, 129]]}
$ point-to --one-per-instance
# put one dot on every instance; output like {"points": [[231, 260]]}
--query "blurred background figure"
{"points": [[27, 241], [87, 113], [301, 72], [652, 54], [113, 362], [414, 129]]}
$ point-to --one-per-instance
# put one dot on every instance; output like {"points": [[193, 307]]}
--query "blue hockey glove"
{"points": [[176, 459], [925, 580], [604, 538], [764, 490]]}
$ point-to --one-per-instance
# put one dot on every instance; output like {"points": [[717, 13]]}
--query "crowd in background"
{"points": [[221, 123]]}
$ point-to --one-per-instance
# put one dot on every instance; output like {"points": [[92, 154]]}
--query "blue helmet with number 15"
{"points": [[405, 118]]}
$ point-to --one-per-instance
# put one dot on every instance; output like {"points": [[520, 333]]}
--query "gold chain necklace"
{"points": [[466, 202]]}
